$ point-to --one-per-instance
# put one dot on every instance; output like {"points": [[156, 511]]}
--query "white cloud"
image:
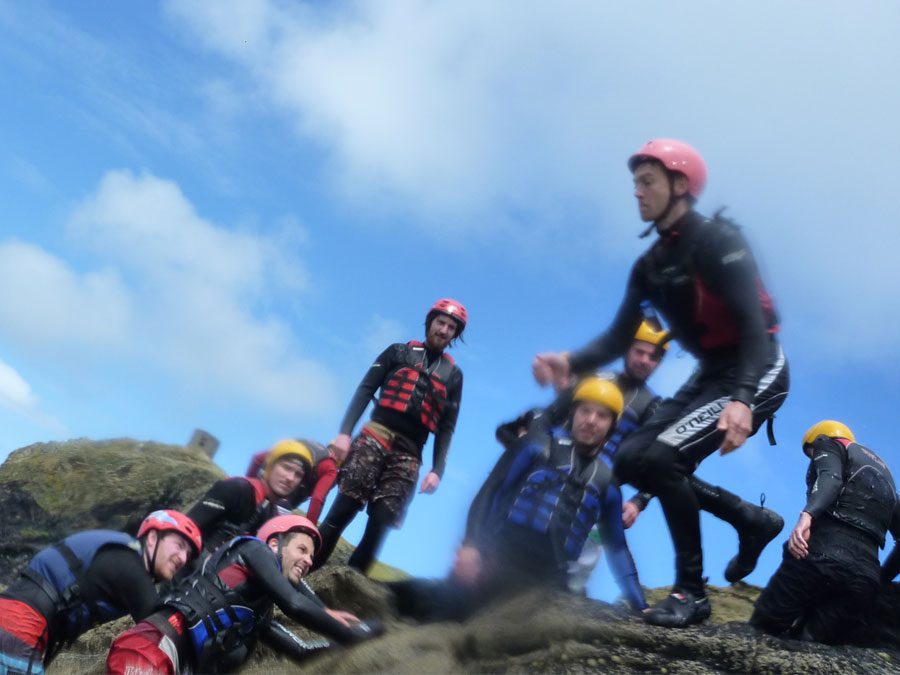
{"points": [[16, 395], [46, 303], [381, 332], [14, 390], [493, 120], [174, 291]]}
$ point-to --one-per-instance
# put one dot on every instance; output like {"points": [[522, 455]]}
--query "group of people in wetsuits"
{"points": [[550, 504]]}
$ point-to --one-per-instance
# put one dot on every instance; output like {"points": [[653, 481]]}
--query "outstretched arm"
{"points": [[612, 536]]}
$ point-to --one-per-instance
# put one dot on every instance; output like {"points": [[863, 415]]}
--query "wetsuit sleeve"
{"points": [[256, 464], [558, 411], [286, 642], [226, 498], [292, 602], [728, 266], [827, 466], [118, 574], [505, 475], [371, 382], [447, 425], [612, 537], [616, 340], [326, 472], [892, 564]]}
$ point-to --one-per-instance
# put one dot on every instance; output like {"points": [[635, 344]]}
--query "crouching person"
{"points": [[830, 575], [533, 514], [213, 618], [85, 580]]}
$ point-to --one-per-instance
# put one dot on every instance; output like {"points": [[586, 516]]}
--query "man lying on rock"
{"points": [[533, 514], [212, 620], [85, 580]]}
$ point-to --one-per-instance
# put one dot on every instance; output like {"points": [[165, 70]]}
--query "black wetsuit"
{"points": [[408, 423], [702, 278], [113, 584], [232, 507], [420, 393], [853, 502], [215, 617]]}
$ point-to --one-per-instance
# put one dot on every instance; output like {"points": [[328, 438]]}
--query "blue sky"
{"points": [[215, 214]]}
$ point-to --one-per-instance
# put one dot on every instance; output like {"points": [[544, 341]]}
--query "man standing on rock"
{"points": [[240, 505], [829, 576], [86, 579], [421, 390], [701, 277]]}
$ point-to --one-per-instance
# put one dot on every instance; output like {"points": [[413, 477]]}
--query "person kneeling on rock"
{"points": [[212, 619], [829, 577], [87, 579], [533, 514]]}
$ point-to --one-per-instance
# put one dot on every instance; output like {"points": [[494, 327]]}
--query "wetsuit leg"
{"points": [[793, 589], [428, 600], [339, 516], [852, 589], [380, 520]]}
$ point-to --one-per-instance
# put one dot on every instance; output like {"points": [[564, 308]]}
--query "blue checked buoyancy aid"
{"points": [[562, 496]]}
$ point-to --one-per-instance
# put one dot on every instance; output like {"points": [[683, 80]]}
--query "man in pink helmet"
{"points": [[86, 579], [700, 275], [212, 620], [420, 388]]}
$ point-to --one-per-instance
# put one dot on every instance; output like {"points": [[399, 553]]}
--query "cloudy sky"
{"points": [[214, 214]]}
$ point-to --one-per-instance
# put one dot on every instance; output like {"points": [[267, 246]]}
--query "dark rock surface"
{"points": [[48, 490]]}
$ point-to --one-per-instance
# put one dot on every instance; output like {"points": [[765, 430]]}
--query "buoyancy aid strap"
{"points": [[770, 429]]}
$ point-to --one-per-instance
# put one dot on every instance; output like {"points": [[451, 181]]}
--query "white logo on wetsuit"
{"points": [[734, 257]]}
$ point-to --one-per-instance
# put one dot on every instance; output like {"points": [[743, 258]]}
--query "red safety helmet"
{"points": [[290, 523], [167, 520], [451, 308], [674, 156]]}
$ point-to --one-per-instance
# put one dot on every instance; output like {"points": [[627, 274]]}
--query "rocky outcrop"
{"points": [[48, 490]]}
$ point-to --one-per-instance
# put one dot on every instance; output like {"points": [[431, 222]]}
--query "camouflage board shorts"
{"points": [[374, 473]]}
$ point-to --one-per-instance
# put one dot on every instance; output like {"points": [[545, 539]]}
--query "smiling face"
{"points": [[285, 475], [169, 551], [297, 550], [441, 331]]}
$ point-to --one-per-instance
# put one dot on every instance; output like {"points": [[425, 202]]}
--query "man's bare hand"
{"points": [[798, 543], [467, 566], [630, 514], [551, 368], [737, 423]]}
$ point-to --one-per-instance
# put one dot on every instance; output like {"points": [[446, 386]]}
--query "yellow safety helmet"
{"points": [[830, 428], [287, 448], [600, 390], [647, 333]]}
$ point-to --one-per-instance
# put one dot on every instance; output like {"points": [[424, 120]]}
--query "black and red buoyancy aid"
{"points": [[415, 389]]}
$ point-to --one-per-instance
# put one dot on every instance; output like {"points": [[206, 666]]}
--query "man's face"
{"points": [[652, 190], [171, 551], [591, 423], [297, 550], [284, 476], [641, 359], [441, 330]]}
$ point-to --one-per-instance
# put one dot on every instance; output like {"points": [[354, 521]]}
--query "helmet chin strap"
{"points": [[151, 564], [673, 199]]}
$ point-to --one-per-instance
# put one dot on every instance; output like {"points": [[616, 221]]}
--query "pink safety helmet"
{"points": [[674, 156]]}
